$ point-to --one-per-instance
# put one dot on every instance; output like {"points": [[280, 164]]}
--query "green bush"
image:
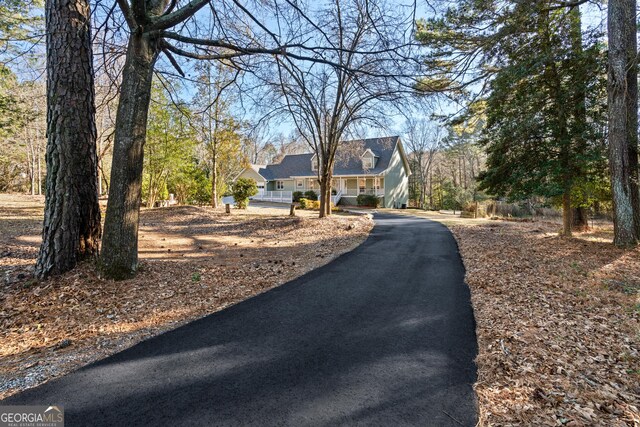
{"points": [[368, 200], [303, 203], [297, 195], [244, 188], [310, 195]]}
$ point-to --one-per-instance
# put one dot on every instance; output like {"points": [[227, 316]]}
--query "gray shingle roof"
{"points": [[348, 160]]}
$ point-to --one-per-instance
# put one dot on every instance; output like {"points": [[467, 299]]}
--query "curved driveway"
{"points": [[383, 335]]}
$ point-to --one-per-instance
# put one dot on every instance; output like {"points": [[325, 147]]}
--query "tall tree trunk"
{"points": [[39, 166], [100, 166], [323, 198], [567, 217], [213, 136], [632, 117], [327, 206], [623, 110], [119, 256], [431, 189], [71, 229], [214, 179], [580, 220]]}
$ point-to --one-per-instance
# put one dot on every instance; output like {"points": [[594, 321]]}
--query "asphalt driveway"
{"points": [[383, 335]]}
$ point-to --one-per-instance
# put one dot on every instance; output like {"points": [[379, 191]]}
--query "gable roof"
{"points": [[291, 165], [348, 160]]}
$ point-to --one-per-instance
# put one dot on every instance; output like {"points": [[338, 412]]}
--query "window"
{"points": [[362, 186], [376, 183], [279, 185], [299, 183], [314, 163]]}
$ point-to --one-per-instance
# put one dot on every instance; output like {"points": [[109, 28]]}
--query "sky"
{"points": [[34, 68]]}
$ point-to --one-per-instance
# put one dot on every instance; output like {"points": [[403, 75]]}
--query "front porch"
{"points": [[345, 186]]}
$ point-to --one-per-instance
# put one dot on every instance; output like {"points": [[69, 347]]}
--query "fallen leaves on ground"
{"points": [[195, 261], [558, 324]]}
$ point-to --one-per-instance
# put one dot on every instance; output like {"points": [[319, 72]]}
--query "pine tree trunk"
{"points": [[579, 219], [623, 109], [119, 255], [567, 220], [71, 229], [632, 117]]}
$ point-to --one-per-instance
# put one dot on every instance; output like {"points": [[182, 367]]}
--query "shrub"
{"points": [[310, 195], [244, 188], [309, 204], [297, 195], [470, 210], [368, 200]]}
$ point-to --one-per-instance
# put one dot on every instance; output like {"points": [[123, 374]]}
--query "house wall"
{"points": [[250, 173], [288, 185], [396, 182]]}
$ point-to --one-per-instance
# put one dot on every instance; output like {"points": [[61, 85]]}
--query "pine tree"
{"points": [[544, 111]]}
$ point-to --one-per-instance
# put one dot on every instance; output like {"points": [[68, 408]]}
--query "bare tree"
{"points": [[423, 139], [367, 72], [173, 28]]}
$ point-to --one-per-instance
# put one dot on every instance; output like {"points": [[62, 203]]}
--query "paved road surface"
{"points": [[384, 335]]}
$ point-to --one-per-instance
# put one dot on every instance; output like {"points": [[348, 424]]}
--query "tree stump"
{"points": [[292, 211], [227, 208]]}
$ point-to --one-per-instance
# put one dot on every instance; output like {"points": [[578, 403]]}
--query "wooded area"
{"points": [[535, 121]]}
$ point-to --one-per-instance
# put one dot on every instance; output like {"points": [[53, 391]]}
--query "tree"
{"points": [[244, 188], [368, 58], [543, 94], [20, 23], [170, 147], [71, 229], [623, 121], [219, 131], [423, 141], [163, 27], [22, 133]]}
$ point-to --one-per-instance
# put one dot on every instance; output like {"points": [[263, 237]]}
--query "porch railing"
{"points": [[356, 192], [274, 196]]}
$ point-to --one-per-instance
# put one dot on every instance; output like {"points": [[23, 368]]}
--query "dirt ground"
{"points": [[558, 323], [194, 261]]}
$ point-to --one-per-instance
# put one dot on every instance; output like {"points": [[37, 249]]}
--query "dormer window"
{"points": [[368, 160], [314, 163]]}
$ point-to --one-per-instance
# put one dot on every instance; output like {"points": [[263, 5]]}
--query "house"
{"points": [[377, 166]]}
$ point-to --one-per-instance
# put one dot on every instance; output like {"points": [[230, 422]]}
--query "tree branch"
{"points": [[174, 18]]}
